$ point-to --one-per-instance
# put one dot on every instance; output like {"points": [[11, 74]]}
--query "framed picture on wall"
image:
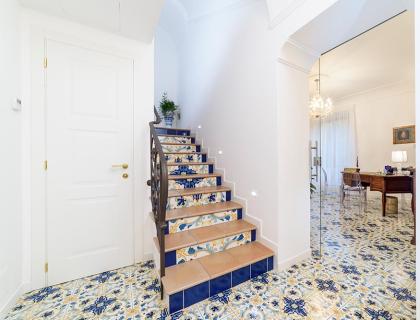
{"points": [[406, 134]]}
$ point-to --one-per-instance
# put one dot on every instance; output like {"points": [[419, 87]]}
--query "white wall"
{"points": [[251, 105], [229, 88], [10, 165], [169, 48], [377, 111], [293, 165], [166, 66], [231, 85]]}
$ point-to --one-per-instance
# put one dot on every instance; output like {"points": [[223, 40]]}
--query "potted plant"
{"points": [[168, 108], [312, 187]]}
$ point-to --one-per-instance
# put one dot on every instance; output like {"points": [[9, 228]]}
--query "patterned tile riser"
{"points": [[185, 158], [194, 183], [180, 148], [201, 250], [196, 200], [190, 169], [166, 139], [180, 225]]}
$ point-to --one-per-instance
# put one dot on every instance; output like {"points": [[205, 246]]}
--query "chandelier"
{"points": [[320, 107]]}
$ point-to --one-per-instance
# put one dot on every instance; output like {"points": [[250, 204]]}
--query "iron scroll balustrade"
{"points": [[159, 190]]}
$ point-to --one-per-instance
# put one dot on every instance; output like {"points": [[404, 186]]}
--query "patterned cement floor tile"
{"points": [[367, 271]]}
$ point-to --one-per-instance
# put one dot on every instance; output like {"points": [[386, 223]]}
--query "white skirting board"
{"points": [[4, 309], [283, 265]]}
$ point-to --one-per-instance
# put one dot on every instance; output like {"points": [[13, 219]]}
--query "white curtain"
{"points": [[337, 139]]}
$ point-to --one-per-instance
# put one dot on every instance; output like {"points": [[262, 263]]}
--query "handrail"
{"points": [[159, 189]]}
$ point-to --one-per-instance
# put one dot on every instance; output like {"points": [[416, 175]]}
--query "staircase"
{"points": [[208, 246]]}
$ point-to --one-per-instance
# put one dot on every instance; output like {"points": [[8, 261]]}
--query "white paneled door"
{"points": [[89, 143]]}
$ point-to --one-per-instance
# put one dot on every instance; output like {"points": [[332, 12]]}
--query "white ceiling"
{"points": [[380, 57], [197, 8], [349, 19], [136, 19]]}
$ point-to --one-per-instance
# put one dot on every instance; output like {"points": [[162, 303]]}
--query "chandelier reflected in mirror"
{"points": [[320, 107]]}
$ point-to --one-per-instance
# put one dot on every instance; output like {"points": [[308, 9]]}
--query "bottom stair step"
{"points": [[191, 282]]}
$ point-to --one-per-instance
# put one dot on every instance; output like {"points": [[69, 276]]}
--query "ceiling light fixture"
{"points": [[318, 106]]}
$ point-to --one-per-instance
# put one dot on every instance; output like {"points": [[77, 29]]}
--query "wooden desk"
{"points": [[384, 184]]}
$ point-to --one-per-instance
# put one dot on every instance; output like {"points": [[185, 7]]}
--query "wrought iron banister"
{"points": [[159, 189]]}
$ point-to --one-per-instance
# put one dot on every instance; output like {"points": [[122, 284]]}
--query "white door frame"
{"points": [[36, 29]]}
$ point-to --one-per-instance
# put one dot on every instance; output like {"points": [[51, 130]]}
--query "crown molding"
{"points": [[293, 65], [285, 13], [397, 84], [307, 50]]}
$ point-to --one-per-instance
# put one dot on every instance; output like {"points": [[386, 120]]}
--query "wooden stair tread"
{"points": [[178, 240], [174, 164], [191, 191], [174, 135], [184, 276], [194, 176], [170, 128], [201, 210], [178, 144], [235, 258], [183, 152], [251, 253], [191, 273]]}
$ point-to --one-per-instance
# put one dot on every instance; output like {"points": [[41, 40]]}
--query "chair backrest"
{"points": [[354, 181]]}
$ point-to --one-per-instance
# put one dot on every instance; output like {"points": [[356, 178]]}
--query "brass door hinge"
{"points": [[45, 63], [46, 165], [46, 267]]}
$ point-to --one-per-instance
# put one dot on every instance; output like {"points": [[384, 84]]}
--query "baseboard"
{"points": [[283, 265], [147, 257], [4, 310]]}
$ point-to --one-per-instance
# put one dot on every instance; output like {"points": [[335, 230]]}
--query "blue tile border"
{"points": [[220, 284], [239, 212], [196, 294], [258, 268], [228, 195], [174, 132], [270, 263], [253, 235], [204, 158], [176, 302], [170, 258], [217, 285], [241, 275], [211, 168], [219, 180]]}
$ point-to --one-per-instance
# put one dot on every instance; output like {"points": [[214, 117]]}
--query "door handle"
{"points": [[123, 166]]}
